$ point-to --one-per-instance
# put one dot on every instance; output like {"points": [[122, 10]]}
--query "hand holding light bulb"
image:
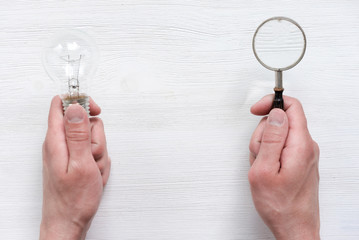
{"points": [[76, 167], [76, 164]]}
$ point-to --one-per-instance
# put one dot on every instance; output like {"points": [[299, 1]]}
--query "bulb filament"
{"points": [[72, 73]]}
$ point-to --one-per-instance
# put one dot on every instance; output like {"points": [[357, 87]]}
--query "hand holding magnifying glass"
{"points": [[279, 44]]}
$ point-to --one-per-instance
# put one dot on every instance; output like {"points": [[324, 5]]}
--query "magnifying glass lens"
{"points": [[279, 43]]}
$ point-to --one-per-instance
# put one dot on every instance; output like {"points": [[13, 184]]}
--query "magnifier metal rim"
{"points": [[279, 19]]}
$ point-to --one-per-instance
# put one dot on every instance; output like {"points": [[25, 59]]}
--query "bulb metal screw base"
{"points": [[83, 100]]}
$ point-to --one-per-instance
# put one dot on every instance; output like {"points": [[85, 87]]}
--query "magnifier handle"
{"points": [[278, 101]]}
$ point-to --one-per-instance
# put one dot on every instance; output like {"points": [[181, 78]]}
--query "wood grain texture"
{"points": [[175, 83]]}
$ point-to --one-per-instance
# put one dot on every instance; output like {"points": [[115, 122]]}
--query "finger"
{"points": [[99, 149], [56, 114], [55, 142], [263, 106], [94, 108], [98, 138], [292, 107], [78, 133], [106, 171], [102, 163], [256, 140], [273, 139]]}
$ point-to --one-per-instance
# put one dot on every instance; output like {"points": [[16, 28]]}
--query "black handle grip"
{"points": [[278, 101]]}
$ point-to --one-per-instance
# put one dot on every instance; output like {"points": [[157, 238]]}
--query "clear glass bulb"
{"points": [[70, 59]]}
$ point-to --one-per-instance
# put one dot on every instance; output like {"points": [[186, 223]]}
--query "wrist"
{"points": [[298, 234], [61, 231], [301, 236]]}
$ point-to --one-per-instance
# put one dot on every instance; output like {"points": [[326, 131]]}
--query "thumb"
{"points": [[78, 133], [273, 139]]}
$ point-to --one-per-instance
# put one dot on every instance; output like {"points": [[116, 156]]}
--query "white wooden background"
{"points": [[175, 83]]}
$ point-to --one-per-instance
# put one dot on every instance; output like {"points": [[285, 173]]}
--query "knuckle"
{"points": [[264, 173], [101, 165], [105, 178], [97, 121], [104, 181], [258, 176], [98, 150], [270, 137], [100, 122], [296, 102], [77, 135], [316, 149], [109, 162], [252, 177], [310, 150], [313, 152]]}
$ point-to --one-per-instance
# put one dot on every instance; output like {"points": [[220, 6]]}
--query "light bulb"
{"points": [[70, 58]]}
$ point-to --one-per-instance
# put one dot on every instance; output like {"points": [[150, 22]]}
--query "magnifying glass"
{"points": [[279, 44]]}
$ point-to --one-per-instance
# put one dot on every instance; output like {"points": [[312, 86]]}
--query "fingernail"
{"points": [[276, 118], [74, 114]]}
